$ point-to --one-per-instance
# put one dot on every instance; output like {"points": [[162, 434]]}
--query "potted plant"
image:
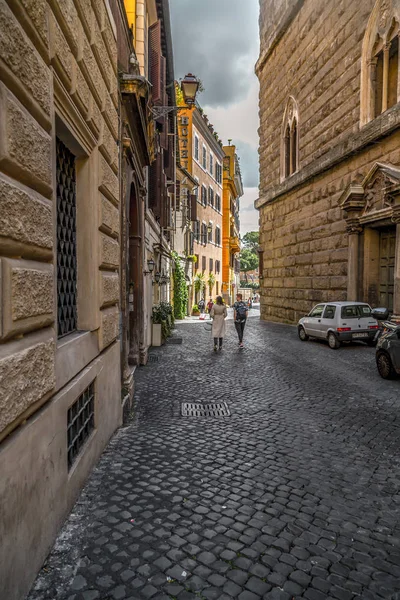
{"points": [[195, 310], [156, 328]]}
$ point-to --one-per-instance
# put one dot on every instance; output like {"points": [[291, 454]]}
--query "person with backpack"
{"points": [[210, 304], [240, 311], [202, 307]]}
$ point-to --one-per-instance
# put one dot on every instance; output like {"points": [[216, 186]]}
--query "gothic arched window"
{"points": [[290, 140], [380, 81]]}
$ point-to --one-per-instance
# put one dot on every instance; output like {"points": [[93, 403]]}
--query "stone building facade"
{"points": [[60, 384], [329, 154]]}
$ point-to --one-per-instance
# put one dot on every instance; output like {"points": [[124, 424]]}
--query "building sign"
{"points": [[183, 134]]}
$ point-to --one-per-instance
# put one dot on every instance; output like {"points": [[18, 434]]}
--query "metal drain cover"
{"points": [[153, 358], [197, 409], [175, 340]]}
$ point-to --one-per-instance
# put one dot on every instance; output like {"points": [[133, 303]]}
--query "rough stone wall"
{"points": [[58, 58], [317, 61], [304, 239]]}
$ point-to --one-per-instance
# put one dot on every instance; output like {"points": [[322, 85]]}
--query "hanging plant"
{"points": [[180, 289]]}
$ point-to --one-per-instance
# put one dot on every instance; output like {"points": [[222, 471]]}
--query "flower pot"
{"points": [[156, 337]]}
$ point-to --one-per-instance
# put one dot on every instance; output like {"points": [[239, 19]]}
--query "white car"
{"points": [[339, 322]]}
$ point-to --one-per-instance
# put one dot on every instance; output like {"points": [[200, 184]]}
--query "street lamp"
{"points": [[189, 86], [150, 265]]}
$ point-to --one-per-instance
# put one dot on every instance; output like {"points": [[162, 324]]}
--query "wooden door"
{"points": [[387, 250]]}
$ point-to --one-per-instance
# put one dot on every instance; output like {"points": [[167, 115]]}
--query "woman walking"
{"points": [[218, 314]]}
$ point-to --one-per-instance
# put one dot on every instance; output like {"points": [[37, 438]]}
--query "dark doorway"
{"points": [[135, 277]]}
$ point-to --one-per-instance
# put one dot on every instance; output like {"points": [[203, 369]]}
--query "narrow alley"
{"points": [[296, 494]]}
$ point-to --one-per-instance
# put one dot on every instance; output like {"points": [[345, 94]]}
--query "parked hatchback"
{"points": [[339, 322]]}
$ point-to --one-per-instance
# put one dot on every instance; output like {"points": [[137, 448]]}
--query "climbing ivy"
{"points": [[180, 289]]}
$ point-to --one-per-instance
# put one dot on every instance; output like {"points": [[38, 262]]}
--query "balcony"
{"points": [[234, 244]]}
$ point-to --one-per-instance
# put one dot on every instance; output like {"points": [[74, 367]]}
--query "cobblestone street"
{"points": [[295, 495]]}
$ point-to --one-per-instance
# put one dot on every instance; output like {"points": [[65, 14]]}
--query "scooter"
{"points": [[385, 324]]}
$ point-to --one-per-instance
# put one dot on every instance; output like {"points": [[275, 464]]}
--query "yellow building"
{"points": [[232, 191]]}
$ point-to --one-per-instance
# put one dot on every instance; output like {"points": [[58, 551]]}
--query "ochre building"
{"points": [[201, 154], [233, 190], [329, 154]]}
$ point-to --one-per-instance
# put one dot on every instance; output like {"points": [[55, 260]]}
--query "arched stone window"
{"points": [[290, 140], [380, 77]]}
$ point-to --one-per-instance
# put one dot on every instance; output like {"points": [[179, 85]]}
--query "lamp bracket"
{"points": [[162, 111]]}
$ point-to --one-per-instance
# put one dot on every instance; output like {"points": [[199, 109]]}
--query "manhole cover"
{"points": [[196, 409], [153, 358], [175, 340]]}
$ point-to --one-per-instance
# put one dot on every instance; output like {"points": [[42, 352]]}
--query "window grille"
{"points": [[80, 423], [66, 241]]}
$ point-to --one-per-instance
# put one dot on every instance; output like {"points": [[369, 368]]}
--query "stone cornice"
{"points": [[380, 127]]}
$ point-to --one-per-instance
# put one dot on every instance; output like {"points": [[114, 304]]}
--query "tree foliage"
{"points": [[251, 241], [248, 260]]}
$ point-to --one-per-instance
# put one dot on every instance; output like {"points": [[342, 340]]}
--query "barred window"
{"points": [[66, 240], [80, 423]]}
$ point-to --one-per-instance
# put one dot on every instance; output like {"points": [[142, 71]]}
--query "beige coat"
{"points": [[218, 314]]}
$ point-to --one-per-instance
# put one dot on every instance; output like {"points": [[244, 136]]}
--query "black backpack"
{"points": [[241, 311]]}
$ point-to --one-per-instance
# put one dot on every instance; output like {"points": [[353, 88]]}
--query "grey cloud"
{"points": [[217, 40], [248, 156]]}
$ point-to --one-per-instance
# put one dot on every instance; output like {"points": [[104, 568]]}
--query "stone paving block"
{"points": [[279, 500]]}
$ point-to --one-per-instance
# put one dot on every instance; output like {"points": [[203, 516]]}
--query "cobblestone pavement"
{"points": [[295, 495]]}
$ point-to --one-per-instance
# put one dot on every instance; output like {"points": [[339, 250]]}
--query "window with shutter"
{"points": [[204, 263], [196, 147], [155, 66], [204, 157]]}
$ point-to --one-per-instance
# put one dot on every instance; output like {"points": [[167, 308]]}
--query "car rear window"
{"points": [[355, 311]]}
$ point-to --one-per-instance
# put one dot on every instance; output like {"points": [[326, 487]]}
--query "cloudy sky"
{"points": [[217, 40]]}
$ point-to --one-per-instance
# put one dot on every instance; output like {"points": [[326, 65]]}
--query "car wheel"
{"points": [[333, 342], [302, 334], [385, 367]]}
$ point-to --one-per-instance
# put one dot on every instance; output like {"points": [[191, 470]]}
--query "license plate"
{"points": [[360, 335]]}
